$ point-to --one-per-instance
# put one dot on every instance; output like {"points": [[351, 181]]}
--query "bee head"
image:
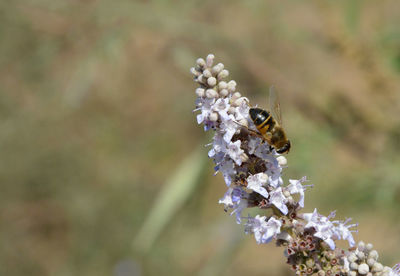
{"points": [[285, 148], [254, 112]]}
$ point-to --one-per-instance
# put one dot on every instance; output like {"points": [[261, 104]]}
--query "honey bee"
{"points": [[269, 128]]}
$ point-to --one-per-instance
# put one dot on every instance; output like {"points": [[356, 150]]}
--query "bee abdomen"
{"points": [[267, 125]]}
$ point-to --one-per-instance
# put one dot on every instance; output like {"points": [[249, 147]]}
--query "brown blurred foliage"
{"points": [[96, 113]]}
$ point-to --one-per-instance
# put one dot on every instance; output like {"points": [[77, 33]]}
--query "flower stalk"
{"points": [[252, 171]]}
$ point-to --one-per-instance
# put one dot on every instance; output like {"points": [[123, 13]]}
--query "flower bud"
{"points": [[361, 246], [377, 267], [213, 117], [241, 100], [352, 257], [370, 262], [360, 255], [201, 62], [363, 269], [201, 79], [231, 86], [223, 74], [217, 69], [235, 96], [211, 93], [207, 73], [210, 60], [200, 92], [244, 157], [194, 72], [212, 81], [282, 160], [223, 92], [222, 85], [373, 254]]}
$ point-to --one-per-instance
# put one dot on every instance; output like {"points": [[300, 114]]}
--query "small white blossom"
{"points": [[263, 230], [343, 231], [230, 126], [227, 169], [256, 183], [296, 187], [279, 200], [234, 151], [324, 228], [253, 144]]}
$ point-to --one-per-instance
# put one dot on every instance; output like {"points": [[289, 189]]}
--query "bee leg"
{"points": [[252, 132]]}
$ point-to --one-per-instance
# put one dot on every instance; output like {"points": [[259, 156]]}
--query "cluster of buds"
{"points": [[252, 171], [363, 260]]}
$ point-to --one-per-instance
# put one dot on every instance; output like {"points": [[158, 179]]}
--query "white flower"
{"points": [[263, 151], [235, 198], [343, 231], [221, 106], [230, 126], [218, 150], [231, 197], [242, 111], [234, 151], [227, 199], [263, 230], [254, 143], [227, 168], [256, 183], [206, 109], [324, 228], [395, 270], [242, 204], [279, 200], [296, 187]]}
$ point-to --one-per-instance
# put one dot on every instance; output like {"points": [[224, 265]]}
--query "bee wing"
{"points": [[274, 105]]}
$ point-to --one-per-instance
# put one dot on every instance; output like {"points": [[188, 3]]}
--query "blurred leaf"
{"points": [[178, 188]]}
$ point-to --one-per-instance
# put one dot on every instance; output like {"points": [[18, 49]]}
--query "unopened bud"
{"points": [[194, 72], [231, 86], [373, 254], [370, 262], [213, 117], [235, 96], [201, 62], [244, 157], [282, 161], [217, 69], [360, 255], [200, 92], [207, 73], [212, 81], [363, 269], [361, 246], [222, 85], [210, 60], [223, 74], [377, 267], [211, 93], [223, 92]]}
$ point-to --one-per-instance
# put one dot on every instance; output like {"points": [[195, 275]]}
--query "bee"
{"points": [[270, 127]]}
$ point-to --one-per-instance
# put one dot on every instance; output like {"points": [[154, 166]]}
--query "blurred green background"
{"points": [[102, 166]]}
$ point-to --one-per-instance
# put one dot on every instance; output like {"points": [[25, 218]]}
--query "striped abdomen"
{"points": [[262, 120]]}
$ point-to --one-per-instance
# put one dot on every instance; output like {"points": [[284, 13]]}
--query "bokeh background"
{"points": [[102, 166]]}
